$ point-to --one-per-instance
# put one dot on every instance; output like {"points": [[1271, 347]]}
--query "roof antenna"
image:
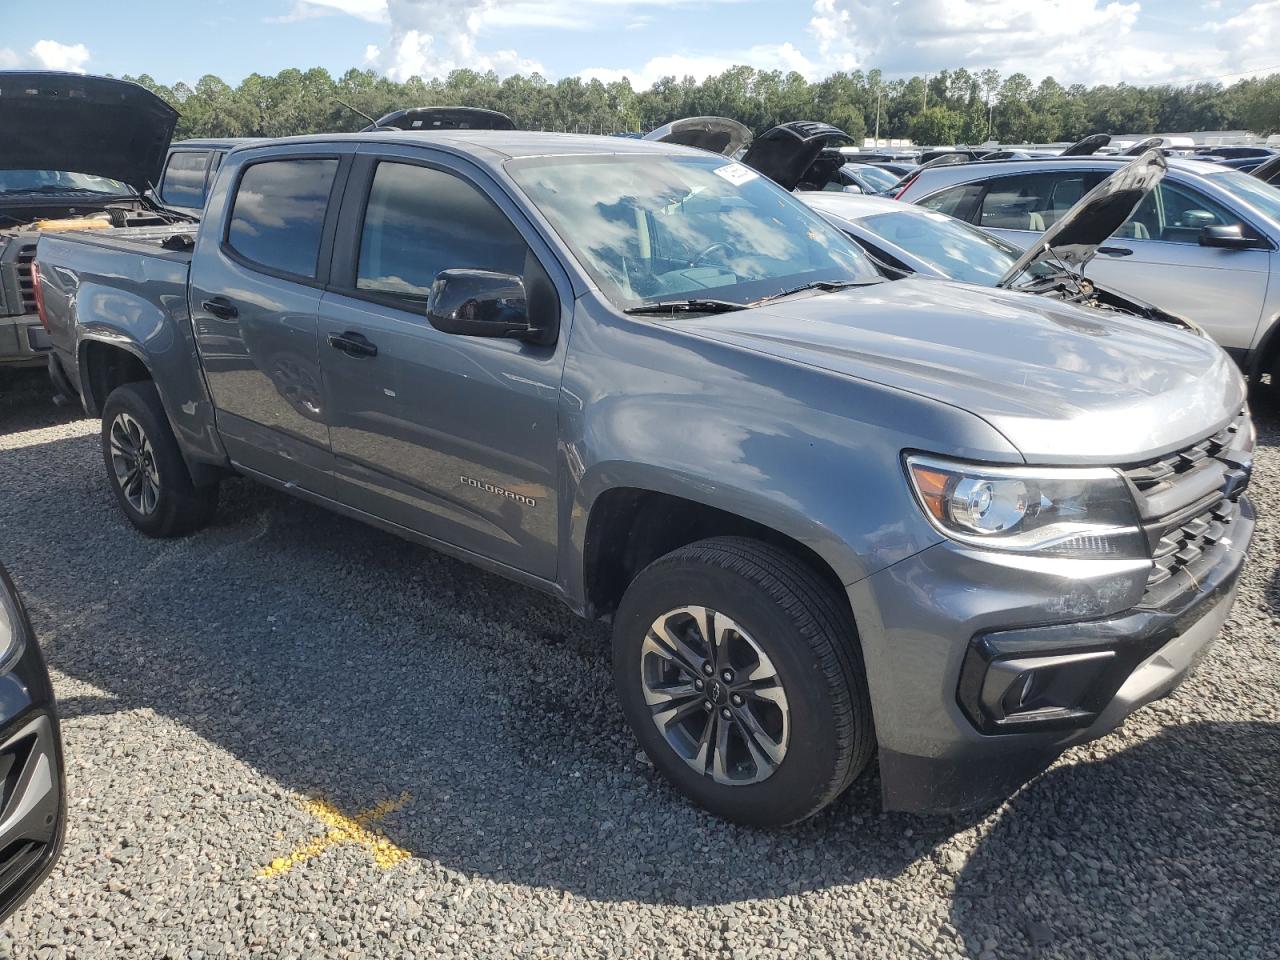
{"points": [[372, 122]]}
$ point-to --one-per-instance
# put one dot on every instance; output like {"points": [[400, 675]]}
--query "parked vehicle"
{"points": [[1268, 171], [906, 240], [443, 118], [861, 178], [78, 154], [714, 134], [1204, 244], [826, 513], [32, 803], [189, 168]]}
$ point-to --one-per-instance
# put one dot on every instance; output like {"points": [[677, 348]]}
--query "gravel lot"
{"points": [[212, 687]]}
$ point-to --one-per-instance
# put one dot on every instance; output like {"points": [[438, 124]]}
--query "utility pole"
{"points": [[926, 91], [877, 116]]}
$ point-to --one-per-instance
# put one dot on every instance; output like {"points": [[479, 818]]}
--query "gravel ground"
{"points": [[212, 687]]}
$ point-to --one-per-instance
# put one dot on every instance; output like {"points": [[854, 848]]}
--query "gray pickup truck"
{"points": [[829, 516]]}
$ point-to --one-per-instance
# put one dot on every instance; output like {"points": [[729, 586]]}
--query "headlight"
{"points": [[1060, 512], [12, 632]]}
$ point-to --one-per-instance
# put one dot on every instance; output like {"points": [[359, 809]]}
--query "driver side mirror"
{"points": [[482, 303], [1228, 237]]}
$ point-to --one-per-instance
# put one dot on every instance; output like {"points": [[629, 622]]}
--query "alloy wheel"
{"points": [[134, 463], [714, 695]]}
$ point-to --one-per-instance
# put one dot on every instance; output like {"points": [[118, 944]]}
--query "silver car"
{"points": [[1203, 244]]}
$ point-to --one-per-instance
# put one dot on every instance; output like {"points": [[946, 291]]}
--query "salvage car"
{"points": [[830, 517], [906, 240], [32, 802], [1205, 244], [189, 168], [79, 153]]}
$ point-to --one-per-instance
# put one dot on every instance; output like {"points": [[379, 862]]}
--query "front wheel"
{"points": [[738, 669], [145, 466]]}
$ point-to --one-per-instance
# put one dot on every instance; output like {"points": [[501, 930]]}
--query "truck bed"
{"points": [[169, 242]]}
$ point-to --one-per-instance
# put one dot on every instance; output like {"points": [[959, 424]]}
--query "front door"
{"points": [[451, 436]]}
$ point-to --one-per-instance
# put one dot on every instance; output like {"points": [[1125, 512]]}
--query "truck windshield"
{"points": [[653, 228], [60, 181]]}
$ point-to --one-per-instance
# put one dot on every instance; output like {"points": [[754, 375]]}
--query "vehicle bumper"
{"points": [[952, 636], [32, 791], [23, 341]]}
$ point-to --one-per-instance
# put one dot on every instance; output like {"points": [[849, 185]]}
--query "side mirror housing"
{"points": [[482, 303], [1228, 237]]}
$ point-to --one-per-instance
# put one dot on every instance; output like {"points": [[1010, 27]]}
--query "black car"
{"points": [[32, 806]]}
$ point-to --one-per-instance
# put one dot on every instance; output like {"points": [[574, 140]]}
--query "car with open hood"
{"points": [[1204, 243], [908, 240], [830, 517], [79, 153]]}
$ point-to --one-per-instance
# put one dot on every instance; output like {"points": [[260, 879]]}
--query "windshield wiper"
{"points": [[826, 286], [686, 306]]}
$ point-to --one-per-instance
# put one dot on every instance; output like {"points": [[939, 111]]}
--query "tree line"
{"points": [[952, 106]]}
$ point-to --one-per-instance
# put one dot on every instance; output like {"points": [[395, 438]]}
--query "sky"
{"points": [[1086, 41]]}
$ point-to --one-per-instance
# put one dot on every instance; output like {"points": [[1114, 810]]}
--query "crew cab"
{"points": [[79, 153], [829, 516]]}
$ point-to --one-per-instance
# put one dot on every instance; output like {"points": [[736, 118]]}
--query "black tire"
{"points": [[803, 626], [178, 506]]}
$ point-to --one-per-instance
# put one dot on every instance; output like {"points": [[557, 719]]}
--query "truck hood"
{"points": [[1074, 240], [443, 118], [94, 125], [1061, 383]]}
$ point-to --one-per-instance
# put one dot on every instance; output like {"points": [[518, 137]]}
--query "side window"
{"points": [[955, 201], [183, 180], [1174, 214], [279, 213], [1033, 201], [420, 221]]}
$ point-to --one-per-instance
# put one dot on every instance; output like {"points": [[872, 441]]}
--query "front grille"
{"points": [[1188, 501], [26, 280]]}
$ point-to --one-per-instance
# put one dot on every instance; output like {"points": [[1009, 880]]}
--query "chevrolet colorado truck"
{"points": [[830, 517], [79, 152]]}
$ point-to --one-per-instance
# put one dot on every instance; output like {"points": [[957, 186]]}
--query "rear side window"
{"points": [[1033, 201], [184, 179], [955, 201], [279, 211], [420, 221]]}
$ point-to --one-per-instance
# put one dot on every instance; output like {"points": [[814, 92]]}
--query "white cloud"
{"points": [[47, 55], [785, 57]]}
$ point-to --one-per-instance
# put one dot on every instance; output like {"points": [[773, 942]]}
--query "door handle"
{"points": [[352, 344], [220, 307], [1115, 251]]}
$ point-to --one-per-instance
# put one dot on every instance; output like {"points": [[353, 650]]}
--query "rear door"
{"points": [[1157, 257], [450, 436], [256, 278], [1022, 206]]}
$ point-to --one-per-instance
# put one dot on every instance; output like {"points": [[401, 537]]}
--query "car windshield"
{"points": [[1263, 197], [877, 178], [957, 249], [60, 181], [654, 228]]}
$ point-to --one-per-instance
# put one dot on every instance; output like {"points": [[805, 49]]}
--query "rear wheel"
{"points": [[146, 469], [738, 669]]}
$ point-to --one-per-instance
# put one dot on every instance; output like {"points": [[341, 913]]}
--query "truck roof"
{"points": [[501, 144]]}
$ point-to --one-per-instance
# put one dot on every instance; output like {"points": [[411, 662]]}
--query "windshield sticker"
{"points": [[736, 173]]}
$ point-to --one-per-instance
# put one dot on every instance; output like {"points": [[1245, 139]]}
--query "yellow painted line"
{"points": [[344, 829]]}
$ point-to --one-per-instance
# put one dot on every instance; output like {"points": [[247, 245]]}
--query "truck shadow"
{"points": [[26, 401], [345, 663], [1170, 852]]}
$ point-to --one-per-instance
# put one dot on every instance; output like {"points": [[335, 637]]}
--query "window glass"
{"points": [[954, 201], [1174, 214], [421, 221], [1032, 201], [1263, 197], [655, 227], [184, 179], [958, 249], [871, 178], [279, 213]]}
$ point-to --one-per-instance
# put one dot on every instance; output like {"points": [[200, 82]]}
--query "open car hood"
{"points": [[797, 152], [1268, 171], [715, 134], [443, 118], [94, 125], [1074, 239]]}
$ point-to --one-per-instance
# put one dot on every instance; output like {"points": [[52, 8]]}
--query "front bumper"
{"points": [[32, 791], [23, 341], [933, 626]]}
